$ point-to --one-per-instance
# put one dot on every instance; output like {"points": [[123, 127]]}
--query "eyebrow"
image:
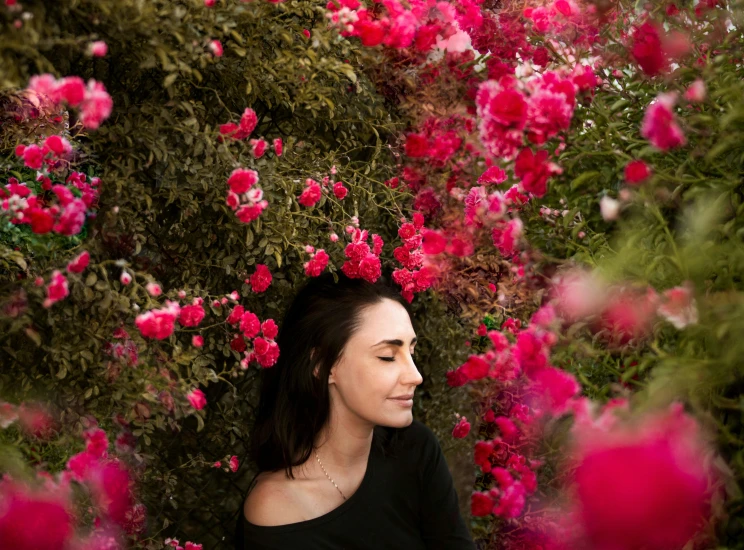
{"points": [[397, 343]]}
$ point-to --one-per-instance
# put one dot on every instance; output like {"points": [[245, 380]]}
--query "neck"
{"points": [[345, 441]]}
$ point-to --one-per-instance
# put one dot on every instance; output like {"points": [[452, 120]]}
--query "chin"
{"points": [[400, 420]]}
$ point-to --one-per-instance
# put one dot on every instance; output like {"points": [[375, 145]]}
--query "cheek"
{"points": [[370, 383]]}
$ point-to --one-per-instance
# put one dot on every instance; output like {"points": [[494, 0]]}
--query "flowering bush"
{"points": [[561, 177]]}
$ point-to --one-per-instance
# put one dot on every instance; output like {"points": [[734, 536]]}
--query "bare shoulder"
{"points": [[270, 502]]}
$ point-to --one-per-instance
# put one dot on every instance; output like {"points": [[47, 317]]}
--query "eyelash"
{"points": [[391, 359]]}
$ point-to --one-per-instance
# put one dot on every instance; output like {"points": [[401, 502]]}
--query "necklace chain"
{"points": [[326, 473]]}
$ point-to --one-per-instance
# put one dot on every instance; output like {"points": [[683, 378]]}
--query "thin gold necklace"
{"points": [[326, 473]]}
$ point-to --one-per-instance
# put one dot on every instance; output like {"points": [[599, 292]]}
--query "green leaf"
{"points": [[583, 179], [170, 79]]}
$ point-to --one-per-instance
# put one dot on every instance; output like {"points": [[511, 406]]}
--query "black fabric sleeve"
{"points": [[442, 525]]}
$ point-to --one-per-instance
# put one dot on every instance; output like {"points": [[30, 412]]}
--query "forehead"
{"points": [[385, 320]]}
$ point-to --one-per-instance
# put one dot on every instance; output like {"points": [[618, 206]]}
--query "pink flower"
{"points": [[70, 89], [96, 442], [269, 329], [247, 213], [125, 278], [531, 352], [192, 546], [678, 306], [642, 486], [57, 289], [577, 294], [248, 123], [249, 324], [235, 315], [258, 147], [215, 46], [80, 464], [72, 218], [261, 278], [265, 352], [550, 107], [98, 48], [461, 429], [278, 146], [636, 172], [209, 3], [33, 156], [36, 421], [191, 315], [696, 92], [59, 146], [660, 125], [506, 236], [481, 504], [153, 289], [494, 175], [509, 430], [111, 487], [96, 105], [417, 145], [234, 463], [79, 263], [503, 115], [339, 190], [534, 171], [317, 264], [197, 399], [433, 242], [311, 195], [241, 180], [158, 323], [475, 368], [197, 340], [629, 314], [647, 49], [555, 387], [34, 520]]}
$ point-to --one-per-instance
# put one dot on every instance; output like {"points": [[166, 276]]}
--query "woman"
{"points": [[342, 464]]}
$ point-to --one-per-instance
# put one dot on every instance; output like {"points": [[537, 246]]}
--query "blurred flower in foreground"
{"points": [[646, 485]]}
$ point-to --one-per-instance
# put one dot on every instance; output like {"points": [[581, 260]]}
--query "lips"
{"points": [[403, 397]]}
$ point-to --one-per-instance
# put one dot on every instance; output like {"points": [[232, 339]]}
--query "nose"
{"points": [[411, 375]]}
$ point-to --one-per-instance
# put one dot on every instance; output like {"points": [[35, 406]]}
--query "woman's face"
{"points": [[376, 367]]}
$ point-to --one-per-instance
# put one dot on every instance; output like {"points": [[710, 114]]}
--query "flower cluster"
{"points": [[242, 197], [412, 277], [264, 349], [159, 323], [511, 111], [92, 100], [244, 128], [55, 207], [416, 24], [362, 262], [41, 513], [317, 262], [623, 314]]}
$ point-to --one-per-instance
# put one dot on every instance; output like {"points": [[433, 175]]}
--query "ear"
{"points": [[316, 368], [331, 379]]}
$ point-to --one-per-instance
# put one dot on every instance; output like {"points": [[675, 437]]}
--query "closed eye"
{"points": [[391, 359]]}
